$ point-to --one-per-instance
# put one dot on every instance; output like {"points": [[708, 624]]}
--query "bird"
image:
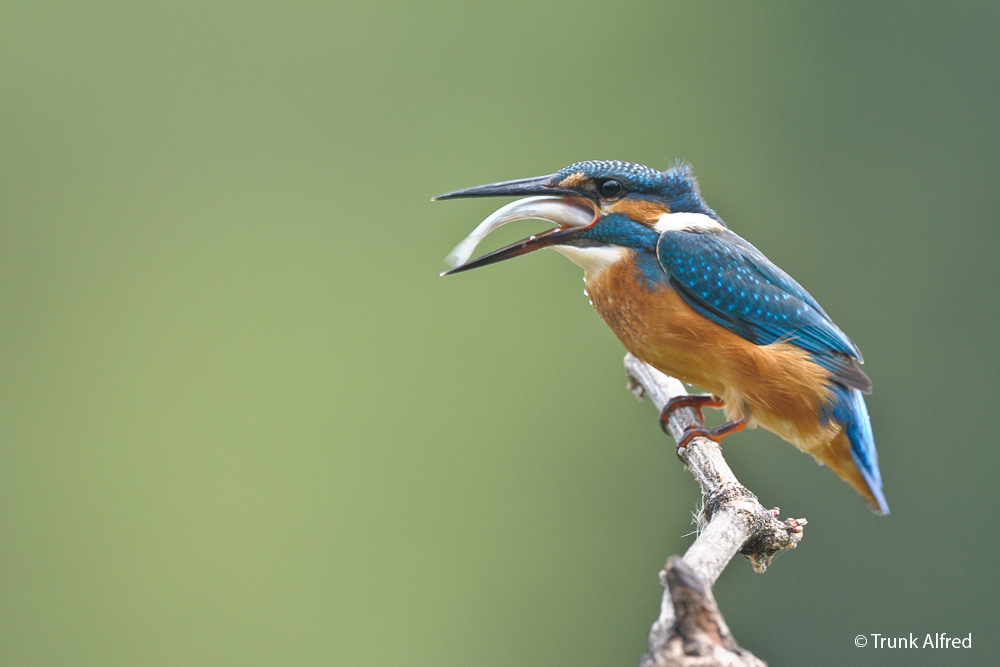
{"points": [[688, 296]]}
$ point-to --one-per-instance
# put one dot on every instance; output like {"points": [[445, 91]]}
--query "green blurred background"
{"points": [[245, 422]]}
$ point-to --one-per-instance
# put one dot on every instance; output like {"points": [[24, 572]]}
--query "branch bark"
{"points": [[690, 630]]}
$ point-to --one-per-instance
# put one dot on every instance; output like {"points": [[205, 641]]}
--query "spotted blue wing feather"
{"points": [[729, 281]]}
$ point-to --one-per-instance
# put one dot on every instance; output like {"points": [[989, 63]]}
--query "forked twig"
{"points": [[690, 629]]}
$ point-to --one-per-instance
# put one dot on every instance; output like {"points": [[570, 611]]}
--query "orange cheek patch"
{"points": [[640, 210]]}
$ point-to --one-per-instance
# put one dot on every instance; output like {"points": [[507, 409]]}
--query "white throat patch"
{"points": [[669, 222], [593, 260]]}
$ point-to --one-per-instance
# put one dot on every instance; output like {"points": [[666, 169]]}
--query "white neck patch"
{"points": [[670, 222], [595, 259]]}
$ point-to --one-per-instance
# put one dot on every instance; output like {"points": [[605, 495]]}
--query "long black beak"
{"points": [[539, 185]]}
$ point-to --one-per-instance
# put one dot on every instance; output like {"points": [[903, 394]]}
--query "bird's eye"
{"points": [[611, 189]]}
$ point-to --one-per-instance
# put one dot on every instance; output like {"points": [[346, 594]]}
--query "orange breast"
{"points": [[777, 386]]}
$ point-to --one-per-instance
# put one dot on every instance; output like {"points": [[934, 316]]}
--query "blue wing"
{"points": [[729, 281]]}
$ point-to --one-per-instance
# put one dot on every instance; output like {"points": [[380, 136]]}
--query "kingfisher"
{"points": [[688, 296]]}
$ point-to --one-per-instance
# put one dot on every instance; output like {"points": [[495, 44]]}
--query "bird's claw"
{"points": [[714, 434], [696, 401]]}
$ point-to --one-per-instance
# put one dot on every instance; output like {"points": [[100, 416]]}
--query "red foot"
{"points": [[716, 434], [696, 401]]}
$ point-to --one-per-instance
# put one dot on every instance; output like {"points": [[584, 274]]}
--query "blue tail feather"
{"points": [[848, 409]]}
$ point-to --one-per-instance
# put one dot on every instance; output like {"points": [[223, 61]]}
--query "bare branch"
{"points": [[690, 629]]}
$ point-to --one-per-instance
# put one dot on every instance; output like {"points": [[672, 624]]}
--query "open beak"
{"points": [[570, 212]]}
